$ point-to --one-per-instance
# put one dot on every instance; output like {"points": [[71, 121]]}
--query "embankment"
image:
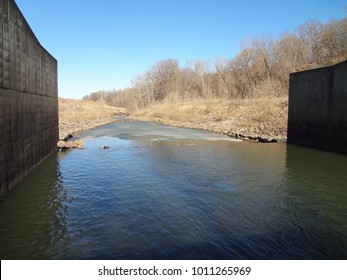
{"points": [[262, 119], [79, 115]]}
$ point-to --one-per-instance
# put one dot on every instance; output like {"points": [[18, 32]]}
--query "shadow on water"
{"points": [[32, 216], [316, 196]]}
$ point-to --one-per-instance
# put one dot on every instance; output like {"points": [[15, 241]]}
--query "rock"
{"points": [[267, 140], [70, 144], [69, 136], [104, 147], [263, 140]]}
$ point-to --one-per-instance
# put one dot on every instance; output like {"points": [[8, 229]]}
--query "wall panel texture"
{"points": [[28, 98], [318, 108]]}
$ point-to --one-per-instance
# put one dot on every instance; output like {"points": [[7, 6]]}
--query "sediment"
{"points": [[262, 133]]}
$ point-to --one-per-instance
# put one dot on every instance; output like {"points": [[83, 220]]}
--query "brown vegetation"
{"points": [[244, 95], [78, 115], [262, 119]]}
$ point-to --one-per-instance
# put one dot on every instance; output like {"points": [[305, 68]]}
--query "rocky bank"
{"points": [[263, 120]]}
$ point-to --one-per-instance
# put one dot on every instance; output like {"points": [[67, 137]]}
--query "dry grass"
{"points": [[254, 110], [264, 117], [78, 115], [71, 110], [248, 118]]}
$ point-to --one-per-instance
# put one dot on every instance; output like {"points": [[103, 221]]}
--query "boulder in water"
{"points": [[70, 144]]}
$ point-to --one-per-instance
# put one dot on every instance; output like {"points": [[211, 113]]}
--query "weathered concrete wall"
{"points": [[28, 98], [318, 108]]}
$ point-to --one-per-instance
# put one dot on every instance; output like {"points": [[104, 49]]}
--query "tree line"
{"points": [[260, 69]]}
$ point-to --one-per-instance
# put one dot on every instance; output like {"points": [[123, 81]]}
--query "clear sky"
{"points": [[104, 44]]}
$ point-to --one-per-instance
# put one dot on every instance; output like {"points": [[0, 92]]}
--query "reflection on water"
{"points": [[316, 197], [162, 192], [32, 217]]}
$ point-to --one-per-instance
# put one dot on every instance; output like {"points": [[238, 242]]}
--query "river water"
{"points": [[170, 193]]}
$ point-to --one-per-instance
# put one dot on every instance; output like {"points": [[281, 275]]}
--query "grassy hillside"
{"points": [[78, 115]]}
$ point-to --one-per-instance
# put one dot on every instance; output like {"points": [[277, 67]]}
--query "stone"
{"points": [[70, 144]]}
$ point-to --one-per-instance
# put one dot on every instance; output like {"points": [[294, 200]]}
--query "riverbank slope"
{"points": [[260, 119], [79, 115]]}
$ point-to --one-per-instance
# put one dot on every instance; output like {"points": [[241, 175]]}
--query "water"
{"points": [[167, 193]]}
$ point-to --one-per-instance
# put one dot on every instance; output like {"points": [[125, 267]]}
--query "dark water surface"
{"points": [[168, 193]]}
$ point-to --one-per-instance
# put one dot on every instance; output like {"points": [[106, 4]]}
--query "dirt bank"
{"points": [[262, 119], [79, 115]]}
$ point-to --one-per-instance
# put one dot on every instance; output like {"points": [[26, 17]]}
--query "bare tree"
{"points": [[261, 68]]}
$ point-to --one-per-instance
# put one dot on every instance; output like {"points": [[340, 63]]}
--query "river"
{"points": [[160, 192]]}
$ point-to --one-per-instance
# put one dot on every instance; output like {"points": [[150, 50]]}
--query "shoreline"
{"points": [[80, 115], [260, 120], [75, 128], [243, 134]]}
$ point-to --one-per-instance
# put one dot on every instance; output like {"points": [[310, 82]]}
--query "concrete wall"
{"points": [[318, 108], [28, 98]]}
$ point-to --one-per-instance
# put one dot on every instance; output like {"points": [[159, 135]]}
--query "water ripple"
{"points": [[183, 197]]}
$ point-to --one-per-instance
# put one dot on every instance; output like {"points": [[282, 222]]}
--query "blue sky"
{"points": [[104, 44]]}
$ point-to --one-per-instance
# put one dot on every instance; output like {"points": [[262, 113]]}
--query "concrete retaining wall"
{"points": [[28, 98], [318, 108]]}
